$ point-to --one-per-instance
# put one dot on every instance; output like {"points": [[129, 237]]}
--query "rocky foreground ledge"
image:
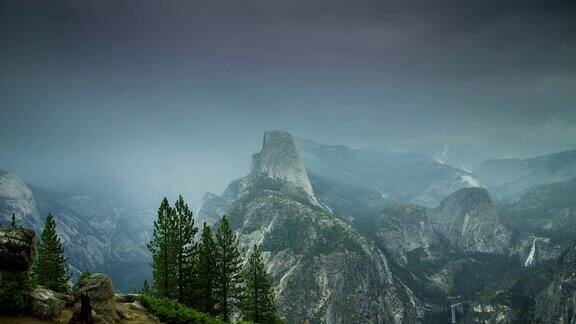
{"points": [[17, 250]]}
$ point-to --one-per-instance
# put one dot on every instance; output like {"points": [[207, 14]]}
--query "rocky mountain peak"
{"points": [[469, 220], [280, 160], [17, 198]]}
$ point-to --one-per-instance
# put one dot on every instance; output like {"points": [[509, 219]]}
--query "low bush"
{"points": [[172, 312], [15, 288]]}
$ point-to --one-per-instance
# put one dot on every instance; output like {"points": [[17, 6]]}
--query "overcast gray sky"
{"points": [[152, 97]]}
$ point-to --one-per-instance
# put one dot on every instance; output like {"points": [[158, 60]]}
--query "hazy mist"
{"points": [[151, 98]]}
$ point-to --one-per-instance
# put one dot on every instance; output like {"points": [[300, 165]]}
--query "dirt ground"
{"points": [[132, 316]]}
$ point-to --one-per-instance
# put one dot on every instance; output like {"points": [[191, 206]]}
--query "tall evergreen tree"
{"points": [[258, 299], [51, 269], [146, 290], [228, 266], [164, 279], [184, 249], [206, 272], [13, 223]]}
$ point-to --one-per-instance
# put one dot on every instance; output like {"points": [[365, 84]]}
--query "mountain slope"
{"points": [[97, 236], [557, 303], [405, 177], [17, 198], [469, 220], [323, 269], [510, 178]]}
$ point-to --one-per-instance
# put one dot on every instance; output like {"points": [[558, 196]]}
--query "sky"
{"points": [[151, 98]]}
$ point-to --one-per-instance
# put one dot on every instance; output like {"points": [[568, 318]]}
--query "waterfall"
{"points": [[453, 311]]}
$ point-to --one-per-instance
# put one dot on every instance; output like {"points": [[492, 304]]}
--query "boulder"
{"points": [[45, 304], [126, 298], [16, 257], [98, 287], [16, 249], [137, 306]]}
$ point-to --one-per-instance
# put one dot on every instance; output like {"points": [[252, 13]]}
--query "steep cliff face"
{"points": [[280, 160], [212, 206], [17, 198], [469, 220], [557, 304], [402, 228], [323, 270]]}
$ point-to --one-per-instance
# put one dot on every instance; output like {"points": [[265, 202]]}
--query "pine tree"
{"points": [[228, 266], [184, 250], [206, 272], [258, 299], [51, 270], [146, 290], [13, 223], [162, 248]]}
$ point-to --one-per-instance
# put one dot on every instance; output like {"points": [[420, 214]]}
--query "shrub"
{"points": [[172, 312], [84, 275], [14, 292]]}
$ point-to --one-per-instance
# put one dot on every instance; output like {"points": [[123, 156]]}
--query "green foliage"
{"points": [[146, 290], [184, 249], [83, 275], [13, 223], [163, 254], [50, 268], [206, 272], [258, 299], [172, 312], [172, 247], [228, 267], [14, 292]]}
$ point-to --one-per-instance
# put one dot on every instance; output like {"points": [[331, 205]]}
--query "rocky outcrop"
{"points": [[99, 289], [468, 219], [16, 257], [45, 304], [279, 160], [401, 228], [17, 198], [17, 248], [557, 304], [212, 206], [534, 251]]}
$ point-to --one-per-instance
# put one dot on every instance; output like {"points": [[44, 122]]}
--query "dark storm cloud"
{"points": [[145, 91]]}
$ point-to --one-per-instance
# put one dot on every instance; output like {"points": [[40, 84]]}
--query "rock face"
{"points": [[557, 304], [17, 248], [45, 303], [469, 220], [280, 160], [98, 287], [17, 198], [323, 270], [547, 211], [401, 228], [213, 206]]}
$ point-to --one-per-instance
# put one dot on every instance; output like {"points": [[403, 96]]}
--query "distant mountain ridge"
{"points": [[96, 235], [406, 177], [323, 270], [510, 178]]}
